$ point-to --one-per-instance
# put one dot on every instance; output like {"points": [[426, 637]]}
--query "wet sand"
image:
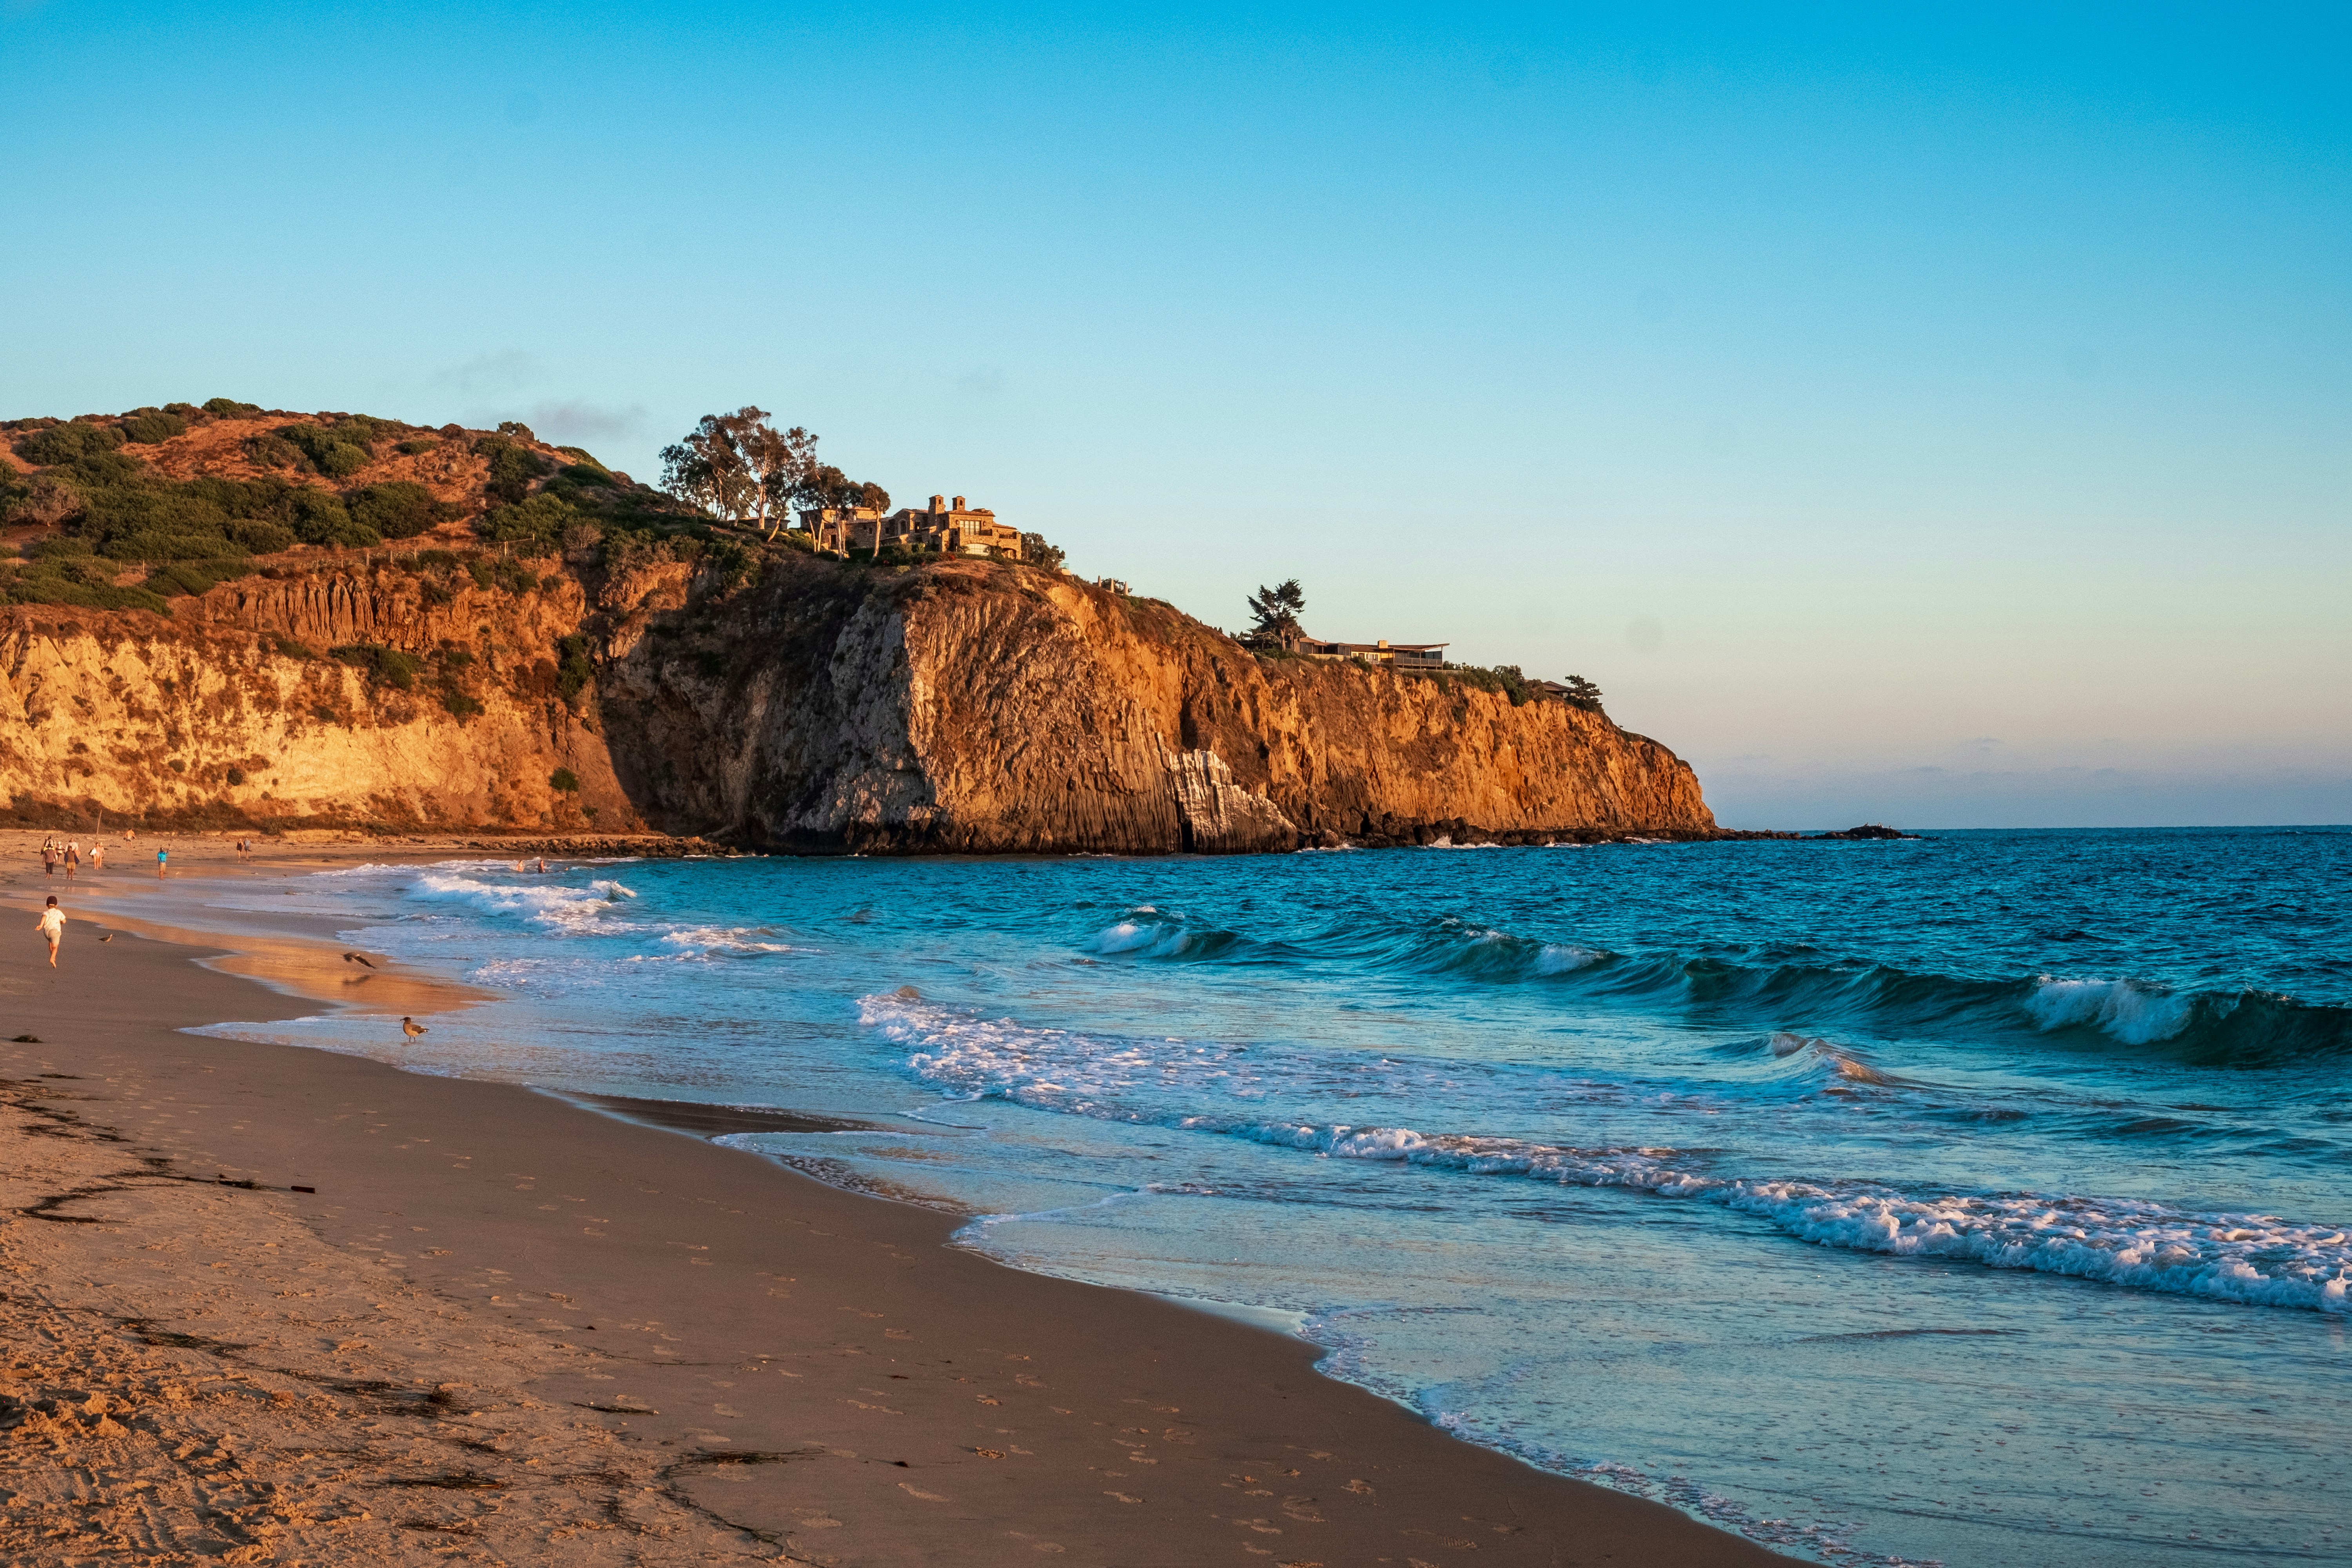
{"points": [[503, 1326]]}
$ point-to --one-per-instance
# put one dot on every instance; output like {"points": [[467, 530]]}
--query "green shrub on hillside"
{"points": [[276, 452], [512, 468], [421, 443], [537, 524], [151, 428], [178, 577], [62, 571], [68, 443], [387, 667], [565, 780], [40, 498], [395, 508], [575, 671], [261, 536], [334, 453], [491, 571], [230, 408], [1504, 680], [318, 517]]}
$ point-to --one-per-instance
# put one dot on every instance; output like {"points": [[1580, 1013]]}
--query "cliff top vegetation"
{"points": [[129, 510]]}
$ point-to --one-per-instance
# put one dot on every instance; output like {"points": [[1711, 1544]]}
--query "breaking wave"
{"points": [[1763, 991], [2257, 1259], [584, 911]]}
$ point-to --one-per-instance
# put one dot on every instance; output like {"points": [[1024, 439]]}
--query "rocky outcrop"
{"points": [[974, 708], [236, 710], [967, 707]]}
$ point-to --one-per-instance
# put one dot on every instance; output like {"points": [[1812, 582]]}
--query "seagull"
{"points": [[357, 958], [108, 937], [411, 1027]]}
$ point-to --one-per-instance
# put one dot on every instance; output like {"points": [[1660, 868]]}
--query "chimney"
{"points": [[936, 501], [959, 503]]}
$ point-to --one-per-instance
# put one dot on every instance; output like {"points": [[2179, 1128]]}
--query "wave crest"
{"points": [[2253, 1258]]}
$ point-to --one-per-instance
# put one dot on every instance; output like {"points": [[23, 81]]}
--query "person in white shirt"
{"points": [[53, 926]]}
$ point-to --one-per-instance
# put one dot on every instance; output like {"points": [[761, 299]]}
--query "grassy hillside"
{"points": [[129, 510]]}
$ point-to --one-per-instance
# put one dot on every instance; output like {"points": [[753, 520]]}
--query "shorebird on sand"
{"points": [[411, 1027], [357, 958], [108, 937]]}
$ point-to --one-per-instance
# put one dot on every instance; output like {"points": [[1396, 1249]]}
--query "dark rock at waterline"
{"points": [[1868, 830]]}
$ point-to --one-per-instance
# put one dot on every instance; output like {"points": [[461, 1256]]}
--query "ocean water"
{"points": [[1980, 1199]]}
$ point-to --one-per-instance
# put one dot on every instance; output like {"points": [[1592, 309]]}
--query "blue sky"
{"points": [[1939, 419]]}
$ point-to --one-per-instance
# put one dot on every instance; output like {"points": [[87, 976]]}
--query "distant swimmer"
{"points": [[52, 924], [357, 958], [411, 1027]]}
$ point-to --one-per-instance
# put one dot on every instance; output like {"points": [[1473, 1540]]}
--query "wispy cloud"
{"points": [[579, 423], [506, 372]]}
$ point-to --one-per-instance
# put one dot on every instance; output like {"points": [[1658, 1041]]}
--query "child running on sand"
{"points": [[52, 925]]}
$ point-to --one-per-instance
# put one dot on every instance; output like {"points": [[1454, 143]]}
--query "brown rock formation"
{"points": [[966, 706], [987, 708]]}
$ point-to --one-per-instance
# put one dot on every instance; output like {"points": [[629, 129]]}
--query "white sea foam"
{"points": [[2131, 1012], [739, 940], [574, 910], [1564, 958], [1061, 1069], [2254, 1259]]}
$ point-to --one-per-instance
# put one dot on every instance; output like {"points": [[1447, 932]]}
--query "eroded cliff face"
{"points": [[234, 709], [986, 709], [967, 707]]}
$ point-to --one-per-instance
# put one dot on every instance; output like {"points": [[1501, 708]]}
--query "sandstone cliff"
{"points": [[960, 707]]}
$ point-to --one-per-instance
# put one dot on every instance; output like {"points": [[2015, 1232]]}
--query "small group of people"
{"points": [[68, 854]]}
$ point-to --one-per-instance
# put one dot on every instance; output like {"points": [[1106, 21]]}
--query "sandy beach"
{"points": [[274, 1305]]}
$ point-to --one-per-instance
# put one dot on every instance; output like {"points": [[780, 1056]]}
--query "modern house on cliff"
{"points": [[1403, 655], [952, 529]]}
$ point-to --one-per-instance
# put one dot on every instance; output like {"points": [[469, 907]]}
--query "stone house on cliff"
{"points": [[950, 529]]}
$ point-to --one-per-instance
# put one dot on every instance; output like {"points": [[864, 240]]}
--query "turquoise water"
{"points": [[1978, 1199]]}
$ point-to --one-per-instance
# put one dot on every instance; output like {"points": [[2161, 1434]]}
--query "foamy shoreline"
{"points": [[400, 1362]]}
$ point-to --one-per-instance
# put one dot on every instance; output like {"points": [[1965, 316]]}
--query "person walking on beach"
{"points": [[48, 856], [52, 925], [73, 858], [98, 854], [162, 863]]}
